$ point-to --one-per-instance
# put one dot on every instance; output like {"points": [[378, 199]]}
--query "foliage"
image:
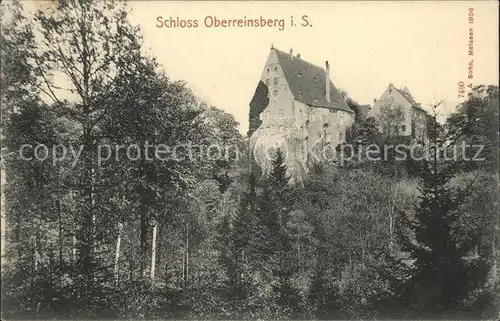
{"points": [[259, 102], [448, 259], [476, 122]]}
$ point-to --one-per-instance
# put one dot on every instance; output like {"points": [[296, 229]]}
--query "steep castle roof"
{"points": [[405, 92], [307, 82]]}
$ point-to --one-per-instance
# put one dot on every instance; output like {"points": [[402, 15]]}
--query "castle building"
{"points": [[296, 108], [415, 117]]}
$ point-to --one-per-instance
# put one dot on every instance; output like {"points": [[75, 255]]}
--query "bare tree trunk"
{"points": [[59, 217], [73, 250], [350, 260], [391, 231], [144, 228], [153, 251], [186, 254], [60, 229], [93, 197], [495, 254], [117, 252], [35, 253], [364, 245], [299, 257], [183, 264]]}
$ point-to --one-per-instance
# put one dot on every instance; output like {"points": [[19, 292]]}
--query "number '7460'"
{"points": [[462, 88]]}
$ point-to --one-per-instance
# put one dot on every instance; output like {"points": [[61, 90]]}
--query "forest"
{"points": [[214, 238]]}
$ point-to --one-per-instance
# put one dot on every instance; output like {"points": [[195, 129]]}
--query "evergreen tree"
{"points": [[275, 240], [445, 267]]}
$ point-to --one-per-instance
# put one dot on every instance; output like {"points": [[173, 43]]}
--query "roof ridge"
{"points": [[300, 58], [413, 102]]}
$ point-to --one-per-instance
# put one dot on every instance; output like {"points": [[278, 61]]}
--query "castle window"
{"points": [[316, 100], [325, 125], [267, 70], [268, 82], [275, 93], [280, 112], [275, 80], [403, 128]]}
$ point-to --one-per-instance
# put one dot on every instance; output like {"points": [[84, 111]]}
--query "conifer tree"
{"points": [[275, 242], [445, 267]]}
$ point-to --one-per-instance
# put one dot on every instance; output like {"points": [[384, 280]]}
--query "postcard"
{"points": [[254, 160]]}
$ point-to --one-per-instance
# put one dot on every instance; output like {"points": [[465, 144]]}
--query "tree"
{"points": [[445, 266], [88, 47], [353, 104], [390, 118], [259, 102], [238, 253], [475, 121]]}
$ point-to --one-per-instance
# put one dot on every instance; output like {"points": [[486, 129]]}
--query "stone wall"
{"points": [[292, 126], [394, 98]]}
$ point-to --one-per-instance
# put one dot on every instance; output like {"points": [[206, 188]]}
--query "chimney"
{"points": [[291, 53], [327, 80]]}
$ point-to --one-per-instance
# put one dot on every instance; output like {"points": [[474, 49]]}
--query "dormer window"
{"points": [[315, 78], [299, 75], [275, 68], [267, 70]]}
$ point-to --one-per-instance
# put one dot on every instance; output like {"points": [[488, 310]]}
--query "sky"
{"points": [[423, 45]]}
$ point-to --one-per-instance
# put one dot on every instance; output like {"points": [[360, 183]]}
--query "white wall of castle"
{"points": [[292, 125], [394, 98]]}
